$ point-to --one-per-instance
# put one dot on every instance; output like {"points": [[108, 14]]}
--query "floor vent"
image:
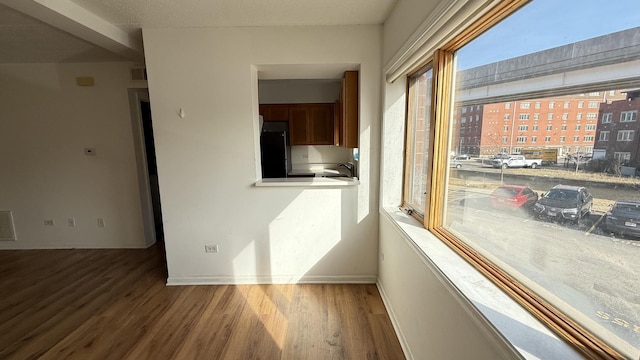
{"points": [[139, 74], [7, 231]]}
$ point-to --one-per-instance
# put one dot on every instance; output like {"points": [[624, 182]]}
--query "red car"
{"points": [[513, 197]]}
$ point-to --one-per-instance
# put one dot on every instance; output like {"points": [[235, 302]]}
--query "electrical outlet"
{"points": [[100, 222], [71, 222], [49, 222], [211, 248]]}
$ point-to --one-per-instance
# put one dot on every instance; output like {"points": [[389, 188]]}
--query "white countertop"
{"points": [[308, 182]]}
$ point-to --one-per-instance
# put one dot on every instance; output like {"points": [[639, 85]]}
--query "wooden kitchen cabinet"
{"points": [[274, 112], [311, 124], [347, 112]]}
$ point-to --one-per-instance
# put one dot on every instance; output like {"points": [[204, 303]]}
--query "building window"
{"points": [[536, 116], [550, 116], [563, 127], [537, 105], [625, 135], [594, 93], [576, 138], [506, 116], [588, 138], [565, 116], [627, 116], [535, 128], [463, 120], [477, 118], [525, 105], [562, 138], [579, 116], [612, 92], [606, 118], [566, 104], [523, 127], [592, 116], [604, 136], [552, 104], [593, 104], [529, 271], [589, 127], [580, 104], [577, 127], [549, 127], [464, 109], [622, 157], [507, 105], [523, 117], [534, 139]]}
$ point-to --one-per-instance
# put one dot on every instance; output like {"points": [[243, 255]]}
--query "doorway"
{"points": [[147, 167]]}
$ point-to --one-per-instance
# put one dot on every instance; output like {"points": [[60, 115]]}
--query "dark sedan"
{"points": [[564, 202], [623, 218]]}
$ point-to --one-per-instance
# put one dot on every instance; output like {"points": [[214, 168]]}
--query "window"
{"points": [[580, 104], [523, 127], [579, 116], [525, 105], [589, 127], [477, 118], [562, 138], [577, 127], [628, 116], [506, 116], [625, 135], [537, 105], [463, 120], [523, 117], [563, 127], [534, 139], [566, 104], [545, 257], [622, 157], [535, 128], [419, 125], [576, 138], [588, 138], [464, 109], [565, 116], [595, 93], [604, 136], [612, 92], [593, 104], [536, 116]]}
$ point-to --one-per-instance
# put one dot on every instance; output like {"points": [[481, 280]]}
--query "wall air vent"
{"points": [[7, 230], [139, 74]]}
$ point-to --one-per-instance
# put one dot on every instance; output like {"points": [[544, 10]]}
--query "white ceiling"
{"points": [[109, 30]]}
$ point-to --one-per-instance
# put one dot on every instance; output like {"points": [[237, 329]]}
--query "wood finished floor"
{"points": [[113, 304]]}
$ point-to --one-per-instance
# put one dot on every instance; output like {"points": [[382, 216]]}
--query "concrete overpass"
{"points": [[603, 63]]}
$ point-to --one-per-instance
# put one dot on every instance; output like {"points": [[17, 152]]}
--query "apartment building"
{"points": [[618, 129]]}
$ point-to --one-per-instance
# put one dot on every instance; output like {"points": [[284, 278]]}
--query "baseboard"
{"points": [[239, 280], [394, 322]]}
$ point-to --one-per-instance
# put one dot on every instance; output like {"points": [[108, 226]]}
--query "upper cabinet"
{"points": [[311, 124], [347, 112], [274, 112]]}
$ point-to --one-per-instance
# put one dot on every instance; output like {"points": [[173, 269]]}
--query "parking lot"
{"points": [[581, 268]]}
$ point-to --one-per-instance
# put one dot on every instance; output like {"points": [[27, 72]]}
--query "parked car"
{"points": [[513, 197], [623, 218], [516, 161], [564, 202], [463, 157], [455, 164]]}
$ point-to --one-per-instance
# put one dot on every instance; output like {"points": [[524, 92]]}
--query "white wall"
{"points": [[46, 121], [207, 161]]}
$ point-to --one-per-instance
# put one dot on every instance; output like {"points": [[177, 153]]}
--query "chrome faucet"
{"points": [[349, 166]]}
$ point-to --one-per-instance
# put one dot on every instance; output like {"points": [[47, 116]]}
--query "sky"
{"points": [[545, 24]]}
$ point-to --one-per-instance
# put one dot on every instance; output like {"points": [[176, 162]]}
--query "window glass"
{"points": [[420, 88], [558, 243]]}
